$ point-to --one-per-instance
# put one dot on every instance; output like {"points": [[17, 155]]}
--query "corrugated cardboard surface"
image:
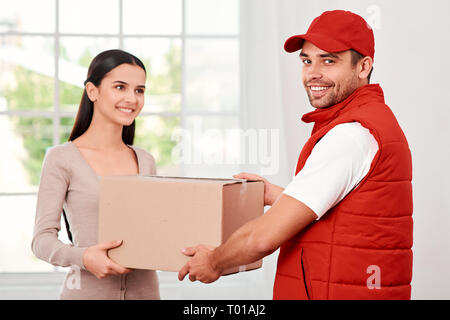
{"points": [[158, 216]]}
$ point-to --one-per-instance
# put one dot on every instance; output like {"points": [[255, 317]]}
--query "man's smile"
{"points": [[318, 91]]}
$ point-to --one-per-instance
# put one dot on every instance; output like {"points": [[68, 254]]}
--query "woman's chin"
{"points": [[125, 122], [128, 123]]}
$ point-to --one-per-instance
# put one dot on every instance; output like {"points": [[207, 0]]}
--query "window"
{"points": [[191, 51]]}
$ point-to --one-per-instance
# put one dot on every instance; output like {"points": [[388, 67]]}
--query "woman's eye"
{"points": [[140, 91], [120, 87]]}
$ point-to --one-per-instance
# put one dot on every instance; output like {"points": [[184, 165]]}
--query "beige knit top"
{"points": [[68, 181]]}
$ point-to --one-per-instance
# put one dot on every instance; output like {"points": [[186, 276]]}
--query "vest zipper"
{"points": [[305, 282]]}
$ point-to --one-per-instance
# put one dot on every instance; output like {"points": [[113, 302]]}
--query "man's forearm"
{"points": [[253, 241], [243, 247], [262, 236]]}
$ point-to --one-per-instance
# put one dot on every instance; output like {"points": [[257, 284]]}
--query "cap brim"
{"points": [[295, 43]]}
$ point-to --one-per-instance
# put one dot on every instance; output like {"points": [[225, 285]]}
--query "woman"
{"points": [[100, 145]]}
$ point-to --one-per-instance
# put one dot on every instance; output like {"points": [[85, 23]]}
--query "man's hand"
{"points": [[201, 266], [271, 191]]}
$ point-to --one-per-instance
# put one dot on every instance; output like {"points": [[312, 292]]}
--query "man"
{"points": [[344, 224]]}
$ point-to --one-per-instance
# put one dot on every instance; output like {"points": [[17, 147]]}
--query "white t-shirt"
{"points": [[336, 165]]}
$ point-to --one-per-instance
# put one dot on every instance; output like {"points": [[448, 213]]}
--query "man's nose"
{"points": [[313, 72]]}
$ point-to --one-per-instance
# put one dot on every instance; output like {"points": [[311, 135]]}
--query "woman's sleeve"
{"points": [[55, 177]]}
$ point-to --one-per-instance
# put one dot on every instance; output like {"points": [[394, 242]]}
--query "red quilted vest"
{"points": [[361, 248]]}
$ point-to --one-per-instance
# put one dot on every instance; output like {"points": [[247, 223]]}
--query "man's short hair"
{"points": [[356, 57]]}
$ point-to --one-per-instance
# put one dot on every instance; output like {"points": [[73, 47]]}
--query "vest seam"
{"points": [[342, 211], [331, 255], [360, 285], [395, 142], [387, 181], [354, 247], [288, 275]]}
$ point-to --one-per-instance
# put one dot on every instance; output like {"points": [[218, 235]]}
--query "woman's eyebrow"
{"points": [[123, 82]]}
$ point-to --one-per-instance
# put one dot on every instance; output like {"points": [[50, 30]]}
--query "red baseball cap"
{"points": [[336, 31]]}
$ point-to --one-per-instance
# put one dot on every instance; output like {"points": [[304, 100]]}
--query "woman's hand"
{"points": [[96, 260], [271, 191]]}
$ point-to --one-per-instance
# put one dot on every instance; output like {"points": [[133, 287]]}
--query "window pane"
{"points": [[27, 16], [87, 16], [24, 141], [211, 146], [76, 53], [212, 75], [16, 232], [152, 17], [162, 59], [66, 125], [212, 16], [156, 135], [26, 72]]}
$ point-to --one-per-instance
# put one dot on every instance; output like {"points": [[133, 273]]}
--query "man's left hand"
{"points": [[201, 266]]}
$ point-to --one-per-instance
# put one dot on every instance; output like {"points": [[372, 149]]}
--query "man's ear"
{"points": [[91, 91], [365, 66]]}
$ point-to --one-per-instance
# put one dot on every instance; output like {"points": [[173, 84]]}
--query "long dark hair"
{"points": [[99, 67]]}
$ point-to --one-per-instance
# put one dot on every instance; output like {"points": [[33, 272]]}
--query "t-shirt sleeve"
{"points": [[336, 165], [51, 195]]}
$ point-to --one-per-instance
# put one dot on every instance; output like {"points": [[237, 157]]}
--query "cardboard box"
{"points": [[158, 216]]}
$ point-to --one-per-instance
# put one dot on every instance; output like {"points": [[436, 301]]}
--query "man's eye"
{"points": [[140, 91], [306, 61], [329, 61]]}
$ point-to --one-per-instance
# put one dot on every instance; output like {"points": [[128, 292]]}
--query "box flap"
{"points": [[221, 181]]}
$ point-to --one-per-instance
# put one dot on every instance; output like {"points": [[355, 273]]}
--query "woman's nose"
{"points": [[130, 96]]}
